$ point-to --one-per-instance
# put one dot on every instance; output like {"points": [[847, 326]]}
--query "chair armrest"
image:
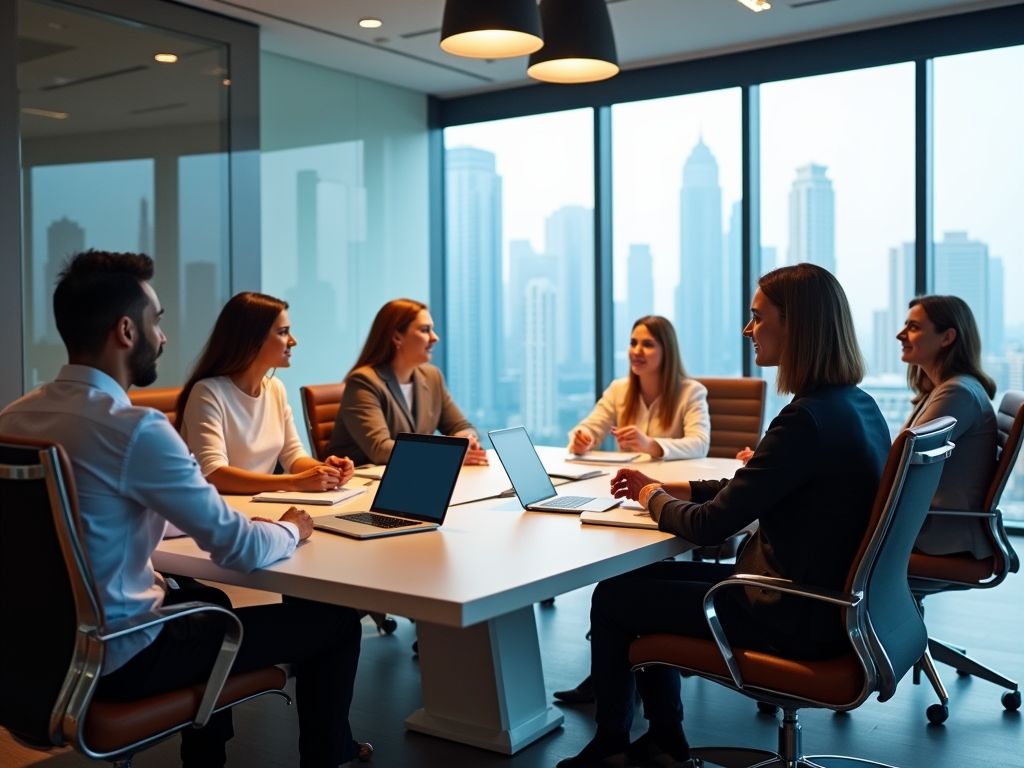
{"points": [[225, 657], [763, 582], [961, 513]]}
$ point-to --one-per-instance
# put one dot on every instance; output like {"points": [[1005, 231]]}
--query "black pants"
{"points": [[668, 598], [320, 640]]}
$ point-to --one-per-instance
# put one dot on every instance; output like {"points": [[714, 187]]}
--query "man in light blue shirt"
{"points": [[134, 474]]}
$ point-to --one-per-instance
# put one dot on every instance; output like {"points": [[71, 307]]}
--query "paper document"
{"points": [[621, 517], [571, 471], [325, 499], [604, 457], [371, 471]]}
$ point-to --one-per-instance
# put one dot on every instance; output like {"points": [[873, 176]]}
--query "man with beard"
{"points": [[134, 474]]}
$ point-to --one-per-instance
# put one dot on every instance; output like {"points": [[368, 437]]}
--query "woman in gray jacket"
{"points": [[942, 345]]}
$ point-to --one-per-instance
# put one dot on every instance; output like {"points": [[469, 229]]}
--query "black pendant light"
{"points": [[491, 29], [579, 45]]}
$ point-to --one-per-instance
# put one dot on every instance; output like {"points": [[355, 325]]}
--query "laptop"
{"points": [[530, 480], [414, 491]]}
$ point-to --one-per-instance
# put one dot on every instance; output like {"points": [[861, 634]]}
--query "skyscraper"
{"points": [[812, 218], [64, 238], [525, 265], [539, 379], [995, 343], [730, 331], [962, 269], [640, 283], [145, 228], [888, 322], [569, 238], [474, 279], [699, 297]]}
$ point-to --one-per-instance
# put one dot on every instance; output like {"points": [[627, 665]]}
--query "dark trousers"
{"points": [[321, 642], [668, 598]]}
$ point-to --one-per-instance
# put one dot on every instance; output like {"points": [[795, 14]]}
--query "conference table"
{"points": [[471, 586]]}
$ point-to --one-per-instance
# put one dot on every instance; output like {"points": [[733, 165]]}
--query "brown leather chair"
{"points": [[164, 400], [320, 404], [736, 407], [56, 633], [930, 574], [886, 631]]}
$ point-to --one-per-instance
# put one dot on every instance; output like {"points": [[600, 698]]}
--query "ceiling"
{"points": [[405, 51]]}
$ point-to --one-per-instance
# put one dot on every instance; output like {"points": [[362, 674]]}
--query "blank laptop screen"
{"points": [[522, 465], [419, 480]]}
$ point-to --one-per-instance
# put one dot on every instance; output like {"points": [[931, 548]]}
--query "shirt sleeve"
{"points": [[161, 475], [203, 426], [293, 449], [601, 420], [696, 439], [364, 419], [955, 401]]}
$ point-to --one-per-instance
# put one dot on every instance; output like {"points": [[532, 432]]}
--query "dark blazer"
{"points": [[373, 411], [811, 483]]}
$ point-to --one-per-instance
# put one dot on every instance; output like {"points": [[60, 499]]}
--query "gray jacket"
{"points": [[373, 411]]}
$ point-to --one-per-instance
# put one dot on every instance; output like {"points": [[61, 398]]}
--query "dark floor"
{"points": [[978, 733]]}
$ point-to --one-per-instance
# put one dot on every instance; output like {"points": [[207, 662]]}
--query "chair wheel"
{"points": [[937, 713], [547, 603], [961, 673], [388, 626], [1011, 700], [766, 709]]}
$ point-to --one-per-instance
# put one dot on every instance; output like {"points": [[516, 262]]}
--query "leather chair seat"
{"points": [[112, 726], [956, 568], [833, 681]]}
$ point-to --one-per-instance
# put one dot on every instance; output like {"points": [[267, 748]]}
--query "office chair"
{"points": [[56, 632], [930, 574], [886, 631], [164, 400]]}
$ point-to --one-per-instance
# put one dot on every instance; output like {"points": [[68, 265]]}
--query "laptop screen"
{"points": [[420, 477], [522, 465]]}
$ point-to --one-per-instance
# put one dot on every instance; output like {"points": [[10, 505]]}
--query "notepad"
{"points": [[569, 472], [604, 457], [325, 499], [371, 471]]}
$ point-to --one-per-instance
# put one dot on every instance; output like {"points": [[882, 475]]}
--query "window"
{"points": [[837, 189], [519, 232], [677, 226]]}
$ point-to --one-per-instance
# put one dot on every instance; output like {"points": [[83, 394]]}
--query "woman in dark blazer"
{"points": [[811, 483], [392, 388]]}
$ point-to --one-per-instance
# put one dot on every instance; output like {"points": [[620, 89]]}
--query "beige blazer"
{"points": [[373, 411]]}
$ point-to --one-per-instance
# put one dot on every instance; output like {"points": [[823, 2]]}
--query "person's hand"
{"points": [[630, 438], [345, 465], [475, 456], [628, 483], [745, 455], [581, 442], [319, 478], [297, 517]]}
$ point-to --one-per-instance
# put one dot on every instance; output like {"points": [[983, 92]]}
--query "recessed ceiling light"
{"points": [[370, 23], [44, 113], [166, 58], [757, 5]]}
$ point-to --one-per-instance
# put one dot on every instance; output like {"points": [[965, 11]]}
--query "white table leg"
{"points": [[484, 685]]}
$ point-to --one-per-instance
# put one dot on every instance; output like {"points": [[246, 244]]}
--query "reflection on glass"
{"points": [[677, 226], [837, 189], [519, 263], [122, 153], [979, 234]]}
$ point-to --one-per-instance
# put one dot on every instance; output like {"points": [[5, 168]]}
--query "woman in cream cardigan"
{"points": [[656, 409]]}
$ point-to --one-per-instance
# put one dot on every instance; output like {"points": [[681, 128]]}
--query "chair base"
{"points": [[964, 665]]}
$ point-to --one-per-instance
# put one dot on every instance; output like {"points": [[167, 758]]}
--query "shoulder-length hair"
{"points": [[963, 356], [237, 337], [670, 379], [394, 317], [819, 343]]}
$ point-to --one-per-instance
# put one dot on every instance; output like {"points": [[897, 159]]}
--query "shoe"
{"points": [[581, 694], [605, 744], [660, 740]]}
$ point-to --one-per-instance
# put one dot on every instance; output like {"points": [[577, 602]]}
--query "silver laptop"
{"points": [[414, 491], [530, 480]]}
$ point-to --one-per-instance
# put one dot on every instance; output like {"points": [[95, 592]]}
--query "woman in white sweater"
{"points": [[236, 420], [656, 409]]}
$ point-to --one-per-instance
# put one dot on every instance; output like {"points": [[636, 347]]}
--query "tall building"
{"points": [[525, 264], [995, 344], [699, 296], [145, 228], [639, 283], [64, 238], [812, 212], [539, 376], [569, 238], [888, 322], [474, 280], [731, 331], [962, 269]]}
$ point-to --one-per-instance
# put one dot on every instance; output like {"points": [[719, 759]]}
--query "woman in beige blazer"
{"points": [[392, 388]]}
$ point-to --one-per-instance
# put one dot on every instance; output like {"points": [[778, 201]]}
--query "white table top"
{"points": [[490, 557]]}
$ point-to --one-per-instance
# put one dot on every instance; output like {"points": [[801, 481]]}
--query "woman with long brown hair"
{"points": [[656, 409], [236, 420], [942, 346], [393, 388], [811, 483]]}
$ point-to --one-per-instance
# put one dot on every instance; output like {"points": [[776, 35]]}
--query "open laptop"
{"points": [[530, 480], [414, 491]]}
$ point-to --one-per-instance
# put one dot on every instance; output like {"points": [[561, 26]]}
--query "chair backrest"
{"points": [[47, 595], [320, 405], [887, 626], [736, 407], [164, 400], [1010, 418]]}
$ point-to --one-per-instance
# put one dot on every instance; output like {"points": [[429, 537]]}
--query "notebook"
{"points": [[319, 499]]}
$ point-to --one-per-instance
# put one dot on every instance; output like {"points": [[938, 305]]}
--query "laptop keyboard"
{"points": [[567, 502], [377, 521]]}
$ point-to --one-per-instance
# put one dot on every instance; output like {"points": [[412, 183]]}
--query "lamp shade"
{"points": [[491, 29], [579, 45]]}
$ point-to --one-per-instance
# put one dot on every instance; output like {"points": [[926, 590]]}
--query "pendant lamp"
{"points": [[579, 45], [491, 29]]}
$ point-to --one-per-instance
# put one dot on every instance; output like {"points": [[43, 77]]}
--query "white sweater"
{"points": [[225, 427], [689, 436]]}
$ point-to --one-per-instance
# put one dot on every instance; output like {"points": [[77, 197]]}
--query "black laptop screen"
{"points": [[420, 477]]}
